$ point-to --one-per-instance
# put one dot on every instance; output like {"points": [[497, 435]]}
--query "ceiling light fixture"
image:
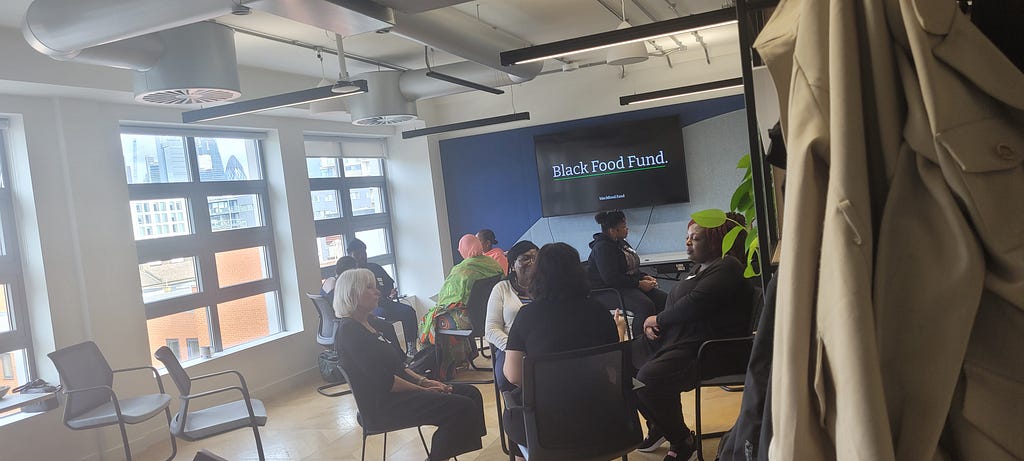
{"points": [[466, 125], [321, 93], [456, 80], [680, 91], [620, 36], [629, 53]]}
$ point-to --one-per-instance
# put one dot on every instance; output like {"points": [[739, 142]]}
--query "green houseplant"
{"points": [[743, 203]]}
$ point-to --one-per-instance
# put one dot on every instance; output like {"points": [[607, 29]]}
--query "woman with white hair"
{"points": [[368, 351]]}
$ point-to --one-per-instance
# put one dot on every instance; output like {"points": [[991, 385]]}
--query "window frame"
{"points": [[204, 243], [20, 336], [347, 224]]}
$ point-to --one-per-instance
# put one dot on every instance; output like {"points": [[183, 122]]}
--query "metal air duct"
{"points": [[383, 104], [198, 66]]}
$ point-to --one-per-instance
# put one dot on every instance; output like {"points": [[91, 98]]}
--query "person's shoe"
{"points": [[685, 452], [653, 441]]}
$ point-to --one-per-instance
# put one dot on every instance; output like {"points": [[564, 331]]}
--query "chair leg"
{"points": [[423, 439], [322, 390], [259, 441], [699, 437], [124, 440], [174, 442], [384, 454], [362, 456]]}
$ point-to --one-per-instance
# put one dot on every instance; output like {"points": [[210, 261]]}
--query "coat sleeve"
{"points": [[611, 265], [708, 296]]}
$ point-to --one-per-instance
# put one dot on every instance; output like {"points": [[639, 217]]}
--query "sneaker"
{"points": [[686, 452], [653, 441]]}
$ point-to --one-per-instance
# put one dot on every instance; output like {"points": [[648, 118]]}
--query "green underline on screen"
{"points": [[611, 172]]}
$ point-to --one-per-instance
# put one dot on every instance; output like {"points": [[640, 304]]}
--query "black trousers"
{"points": [[642, 304], [459, 418], [665, 376]]}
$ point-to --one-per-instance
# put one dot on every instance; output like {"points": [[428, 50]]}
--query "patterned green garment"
{"points": [[450, 311]]}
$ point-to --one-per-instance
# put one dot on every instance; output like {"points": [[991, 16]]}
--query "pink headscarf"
{"points": [[470, 246]]}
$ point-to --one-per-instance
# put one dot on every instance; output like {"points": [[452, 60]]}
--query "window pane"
{"points": [[247, 319], [192, 346], [6, 309], [154, 159], [190, 324], [224, 159], [168, 279], [234, 212], [322, 167], [329, 249], [325, 204], [240, 266], [366, 200], [160, 218], [376, 241], [14, 368], [357, 167]]}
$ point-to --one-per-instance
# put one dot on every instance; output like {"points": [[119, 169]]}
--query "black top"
{"points": [[372, 360], [612, 263], [713, 302], [384, 281], [548, 326]]}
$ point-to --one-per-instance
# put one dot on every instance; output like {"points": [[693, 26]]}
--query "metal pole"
{"points": [[757, 163]]}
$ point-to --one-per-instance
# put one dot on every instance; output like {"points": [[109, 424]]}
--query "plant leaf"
{"points": [[744, 162], [742, 192], [751, 238], [729, 239], [750, 272], [710, 218]]}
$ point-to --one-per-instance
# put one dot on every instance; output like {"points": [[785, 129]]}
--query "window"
{"points": [[15, 334], [175, 346], [204, 237], [348, 188], [193, 348]]}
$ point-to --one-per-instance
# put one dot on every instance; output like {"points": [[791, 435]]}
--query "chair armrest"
{"points": [[156, 375], [711, 344], [108, 388], [216, 391], [241, 379]]}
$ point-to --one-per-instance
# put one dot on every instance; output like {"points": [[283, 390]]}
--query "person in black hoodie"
{"points": [[614, 264]]}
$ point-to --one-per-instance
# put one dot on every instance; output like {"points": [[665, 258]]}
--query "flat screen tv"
{"points": [[611, 166]]}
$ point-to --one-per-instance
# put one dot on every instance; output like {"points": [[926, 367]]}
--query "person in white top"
{"points": [[506, 298]]}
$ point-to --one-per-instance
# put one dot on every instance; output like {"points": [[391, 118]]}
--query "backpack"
{"points": [[424, 363], [327, 361]]}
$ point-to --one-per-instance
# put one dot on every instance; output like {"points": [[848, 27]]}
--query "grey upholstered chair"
{"points": [[90, 400], [325, 333], [192, 425]]}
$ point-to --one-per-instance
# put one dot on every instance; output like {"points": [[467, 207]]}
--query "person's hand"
{"points": [[651, 329], [649, 277], [436, 386], [620, 322], [646, 285]]}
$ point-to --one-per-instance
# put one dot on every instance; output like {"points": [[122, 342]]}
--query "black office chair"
{"points": [[370, 424], [325, 337], [578, 405], [720, 363], [476, 308], [618, 301]]}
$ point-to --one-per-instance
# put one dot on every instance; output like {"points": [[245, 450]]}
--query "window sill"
{"points": [[241, 347]]}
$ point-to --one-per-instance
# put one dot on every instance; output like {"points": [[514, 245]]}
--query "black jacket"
{"points": [[607, 264]]}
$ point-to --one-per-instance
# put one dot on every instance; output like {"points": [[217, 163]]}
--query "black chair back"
{"points": [[579, 405], [724, 357], [328, 322], [476, 305], [174, 368], [82, 366], [366, 419]]}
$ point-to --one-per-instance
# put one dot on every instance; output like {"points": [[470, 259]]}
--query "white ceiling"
{"points": [[536, 21]]}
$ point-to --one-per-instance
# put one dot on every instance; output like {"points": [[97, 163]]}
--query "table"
{"points": [[668, 266]]}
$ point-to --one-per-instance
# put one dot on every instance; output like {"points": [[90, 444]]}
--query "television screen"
{"points": [[612, 166]]}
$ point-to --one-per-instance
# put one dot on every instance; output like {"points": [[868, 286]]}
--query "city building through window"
{"points": [[204, 237]]}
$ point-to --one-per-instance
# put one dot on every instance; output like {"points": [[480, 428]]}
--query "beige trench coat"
{"points": [[901, 295]]}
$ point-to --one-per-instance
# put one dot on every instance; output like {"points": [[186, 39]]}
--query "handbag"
{"points": [[39, 386]]}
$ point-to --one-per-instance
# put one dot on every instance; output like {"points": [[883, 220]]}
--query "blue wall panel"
{"points": [[490, 180]]}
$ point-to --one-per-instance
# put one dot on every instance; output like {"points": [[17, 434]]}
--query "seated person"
{"points": [[561, 318], [488, 240], [450, 311], [375, 365], [614, 264], [506, 298], [713, 302], [343, 264], [388, 309]]}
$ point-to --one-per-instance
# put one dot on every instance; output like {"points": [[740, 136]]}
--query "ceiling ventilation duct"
{"points": [[198, 66], [383, 104]]}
